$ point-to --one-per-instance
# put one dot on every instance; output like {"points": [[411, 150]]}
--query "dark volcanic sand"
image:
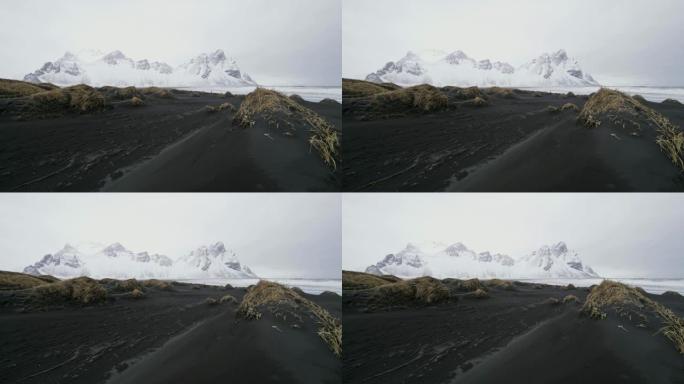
{"points": [[166, 337], [512, 337], [166, 145], [510, 145]]}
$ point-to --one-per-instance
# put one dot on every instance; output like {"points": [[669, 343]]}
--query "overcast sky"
{"points": [[282, 42], [636, 42], [619, 235], [277, 235]]}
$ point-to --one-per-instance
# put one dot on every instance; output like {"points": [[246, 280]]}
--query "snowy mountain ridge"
{"points": [[96, 68], [458, 261], [458, 69], [114, 260]]}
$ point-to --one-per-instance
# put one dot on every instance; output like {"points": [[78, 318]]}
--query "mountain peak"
{"points": [[457, 261], [92, 67], [458, 69]]}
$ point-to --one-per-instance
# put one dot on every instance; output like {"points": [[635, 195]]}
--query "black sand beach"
{"points": [[170, 335], [170, 143], [515, 141], [512, 333]]}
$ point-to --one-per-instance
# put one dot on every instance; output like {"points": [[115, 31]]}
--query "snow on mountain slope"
{"points": [[114, 260], [456, 68], [457, 261], [212, 261], [96, 68]]}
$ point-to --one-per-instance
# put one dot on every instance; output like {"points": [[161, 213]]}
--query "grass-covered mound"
{"points": [[329, 101], [82, 290], [286, 303], [672, 102], [469, 93], [506, 93], [361, 88], [116, 93], [284, 114], [78, 98], [157, 92], [15, 280], [632, 303], [615, 107], [458, 285], [422, 98], [360, 280], [419, 291], [16, 88]]}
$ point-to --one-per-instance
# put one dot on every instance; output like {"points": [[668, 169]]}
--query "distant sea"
{"points": [[656, 94], [650, 285], [308, 93], [312, 286]]}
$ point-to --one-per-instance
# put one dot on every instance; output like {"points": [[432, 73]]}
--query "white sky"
{"points": [[634, 42], [619, 235], [277, 235], [286, 42]]}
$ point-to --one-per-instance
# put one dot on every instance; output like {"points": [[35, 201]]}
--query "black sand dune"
{"points": [[519, 333], [168, 336], [517, 141], [170, 143]]}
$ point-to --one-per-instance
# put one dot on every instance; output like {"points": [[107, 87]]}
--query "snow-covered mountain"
{"points": [[457, 261], [96, 68], [458, 69], [114, 260]]}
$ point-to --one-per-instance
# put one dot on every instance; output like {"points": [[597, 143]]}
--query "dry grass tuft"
{"points": [[478, 294], [276, 108], [15, 280], [210, 301], [570, 107], [552, 301], [136, 102], [228, 299], [226, 106], [570, 299], [611, 294], [267, 293], [610, 102], [82, 290], [137, 294], [552, 109], [477, 102], [16, 88]]}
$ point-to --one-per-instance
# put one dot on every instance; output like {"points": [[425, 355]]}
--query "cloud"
{"points": [[278, 235], [621, 235], [631, 43], [284, 42]]}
